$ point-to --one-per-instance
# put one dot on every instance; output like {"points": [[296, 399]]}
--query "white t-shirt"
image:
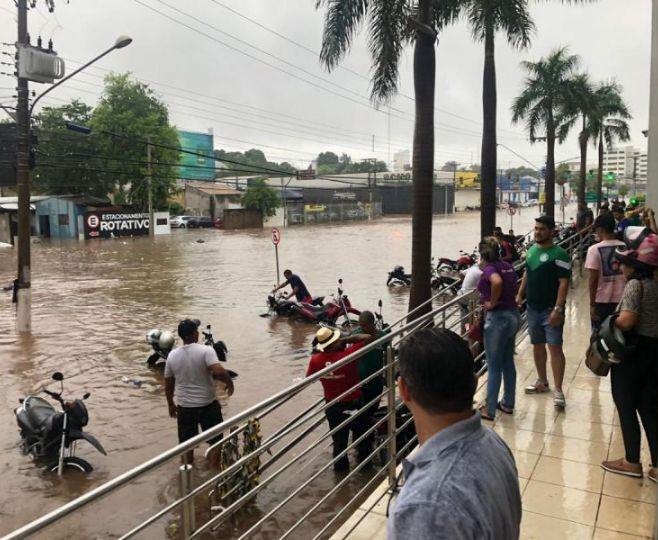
{"points": [[189, 365], [471, 279], [601, 257]]}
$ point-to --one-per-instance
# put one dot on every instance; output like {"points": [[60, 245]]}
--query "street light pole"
{"points": [[23, 124], [150, 188]]}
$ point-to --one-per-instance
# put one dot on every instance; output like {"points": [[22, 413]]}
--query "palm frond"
{"points": [[341, 23], [446, 12], [387, 38]]}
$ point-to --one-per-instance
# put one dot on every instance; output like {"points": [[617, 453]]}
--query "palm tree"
{"points": [[392, 25], [487, 17], [609, 124], [542, 104], [580, 105]]}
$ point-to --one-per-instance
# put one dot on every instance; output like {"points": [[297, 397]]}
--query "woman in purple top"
{"points": [[497, 288]]}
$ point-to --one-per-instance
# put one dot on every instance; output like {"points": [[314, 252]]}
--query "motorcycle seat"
{"points": [[311, 307]]}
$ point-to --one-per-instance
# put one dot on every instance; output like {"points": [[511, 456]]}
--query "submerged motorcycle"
{"points": [[339, 306], [162, 342], [398, 278], [50, 435]]}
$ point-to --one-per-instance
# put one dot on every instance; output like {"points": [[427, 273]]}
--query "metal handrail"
{"points": [[255, 411]]}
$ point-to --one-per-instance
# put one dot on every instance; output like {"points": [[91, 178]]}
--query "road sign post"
{"points": [[511, 210], [276, 238]]}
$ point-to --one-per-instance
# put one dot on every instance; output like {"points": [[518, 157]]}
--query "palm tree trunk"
{"points": [[423, 162], [582, 141], [599, 173], [489, 143], [549, 187]]}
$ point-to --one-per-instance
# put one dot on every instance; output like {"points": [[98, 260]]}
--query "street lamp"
{"points": [[23, 125]]}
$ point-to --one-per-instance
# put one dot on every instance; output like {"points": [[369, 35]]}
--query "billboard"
{"points": [[111, 223], [200, 165]]}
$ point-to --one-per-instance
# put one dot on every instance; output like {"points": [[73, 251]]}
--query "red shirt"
{"points": [[341, 380]]}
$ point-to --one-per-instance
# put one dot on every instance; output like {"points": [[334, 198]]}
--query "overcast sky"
{"points": [[291, 108]]}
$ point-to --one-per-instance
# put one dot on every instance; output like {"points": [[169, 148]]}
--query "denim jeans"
{"points": [[500, 328]]}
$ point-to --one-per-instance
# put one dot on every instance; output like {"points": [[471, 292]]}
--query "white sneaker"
{"points": [[559, 400]]}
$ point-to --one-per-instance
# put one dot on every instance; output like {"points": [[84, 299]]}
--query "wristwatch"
{"points": [[559, 309]]}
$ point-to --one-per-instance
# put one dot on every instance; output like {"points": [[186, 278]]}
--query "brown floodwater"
{"points": [[94, 301]]}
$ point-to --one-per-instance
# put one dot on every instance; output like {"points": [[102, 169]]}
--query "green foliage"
{"points": [[133, 110], [251, 162], [259, 196], [623, 190], [329, 164], [66, 162], [522, 171], [450, 166], [327, 158], [562, 174], [176, 209]]}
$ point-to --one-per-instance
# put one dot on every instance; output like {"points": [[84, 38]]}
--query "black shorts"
{"points": [[190, 418]]}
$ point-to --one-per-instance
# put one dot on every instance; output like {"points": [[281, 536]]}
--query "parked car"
{"points": [[198, 222], [179, 222]]}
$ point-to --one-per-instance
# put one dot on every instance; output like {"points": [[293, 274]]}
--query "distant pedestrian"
{"points": [[634, 381], [189, 378], [584, 216], [462, 482], [546, 283], [606, 282], [497, 288], [342, 383], [621, 221]]}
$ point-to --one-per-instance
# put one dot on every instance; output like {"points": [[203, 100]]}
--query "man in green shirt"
{"points": [[371, 362], [546, 283]]}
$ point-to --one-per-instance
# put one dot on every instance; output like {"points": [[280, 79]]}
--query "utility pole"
{"points": [[23, 285], [150, 187]]}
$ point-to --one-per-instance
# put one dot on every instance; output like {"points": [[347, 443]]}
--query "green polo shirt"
{"points": [[545, 267], [370, 363]]}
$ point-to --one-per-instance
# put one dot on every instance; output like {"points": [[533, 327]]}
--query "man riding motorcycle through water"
{"points": [[298, 288]]}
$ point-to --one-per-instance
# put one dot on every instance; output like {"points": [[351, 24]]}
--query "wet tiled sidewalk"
{"points": [[565, 493]]}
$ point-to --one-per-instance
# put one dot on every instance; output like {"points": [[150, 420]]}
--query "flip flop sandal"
{"points": [[504, 409], [484, 414]]}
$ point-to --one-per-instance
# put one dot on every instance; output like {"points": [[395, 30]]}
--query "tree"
{"points": [[562, 174], [609, 124], [259, 196], [66, 162], [394, 24], [623, 190], [542, 104], [133, 111], [487, 17], [450, 166], [522, 171], [327, 158]]}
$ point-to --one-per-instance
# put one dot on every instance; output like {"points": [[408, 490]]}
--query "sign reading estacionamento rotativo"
{"points": [[112, 223]]}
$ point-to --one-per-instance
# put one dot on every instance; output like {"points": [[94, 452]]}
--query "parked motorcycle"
{"points": [[339, 306], [398, 278], [463, 262], [52, 436], [162, 342]]}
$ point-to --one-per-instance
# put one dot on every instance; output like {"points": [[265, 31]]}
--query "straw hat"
{"points": [[325, 337]]}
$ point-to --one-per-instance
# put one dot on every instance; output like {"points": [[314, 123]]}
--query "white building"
{"points": [[627, 162], [401, 161]]}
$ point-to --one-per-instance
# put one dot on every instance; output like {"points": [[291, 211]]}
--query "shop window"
{"points": [[63, 219]]}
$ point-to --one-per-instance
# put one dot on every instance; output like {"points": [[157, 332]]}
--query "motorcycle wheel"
{"points": [[73, 463], [349, 323]]}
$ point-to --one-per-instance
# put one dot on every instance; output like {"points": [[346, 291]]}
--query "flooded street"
{"points": [[94, 301]]}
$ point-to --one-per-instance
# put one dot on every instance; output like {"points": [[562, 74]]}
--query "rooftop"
{"points": [[213, 188]]}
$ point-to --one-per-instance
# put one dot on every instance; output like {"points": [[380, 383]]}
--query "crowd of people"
{"points": [[462, 481]]}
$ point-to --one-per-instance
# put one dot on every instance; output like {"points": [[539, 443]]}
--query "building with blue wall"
{"points": [[60, 216]]}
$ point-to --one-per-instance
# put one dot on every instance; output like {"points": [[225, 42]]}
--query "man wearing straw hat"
{"points": [[331, 348]]}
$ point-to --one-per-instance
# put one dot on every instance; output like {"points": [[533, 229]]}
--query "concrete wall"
{"points": [[652, 175], [5, 228], [197, 203], [398, 199], [242, 219]]}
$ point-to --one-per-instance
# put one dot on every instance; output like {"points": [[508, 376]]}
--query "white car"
{"points": [[179, 222]]}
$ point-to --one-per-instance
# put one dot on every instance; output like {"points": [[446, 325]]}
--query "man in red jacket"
{"points": [[331, 348]]}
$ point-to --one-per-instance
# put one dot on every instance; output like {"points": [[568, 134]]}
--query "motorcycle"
{"points": [[398, 278], [463, 262], [52, 436], [339, 306], [162, 342]]}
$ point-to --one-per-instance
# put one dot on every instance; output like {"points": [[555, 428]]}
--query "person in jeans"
{"points": [[189, 377], [546, 282], [606, 282], [634, 381], [462, 481], [329, 349], [497, 288]]}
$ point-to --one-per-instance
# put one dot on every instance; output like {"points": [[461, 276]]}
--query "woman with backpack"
{"points": [[634, 380]]}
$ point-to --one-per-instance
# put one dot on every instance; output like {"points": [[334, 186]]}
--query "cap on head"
{"points": [[325, 337], [548, 221], [605, 222], [187, 327]]}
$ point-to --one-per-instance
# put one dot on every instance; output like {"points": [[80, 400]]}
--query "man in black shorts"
{"points": [[189, 376]]}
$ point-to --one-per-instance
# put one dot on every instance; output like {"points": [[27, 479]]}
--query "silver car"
{"points": [[179, 222]]}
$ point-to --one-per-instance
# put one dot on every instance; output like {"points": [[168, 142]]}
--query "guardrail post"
{"points": [[185, 486], [390, 408]]}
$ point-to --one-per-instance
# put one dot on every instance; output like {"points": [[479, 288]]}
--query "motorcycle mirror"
{"points": [[86, 396], [340, 281], [58, 376], [208, 327], [380, 303]]}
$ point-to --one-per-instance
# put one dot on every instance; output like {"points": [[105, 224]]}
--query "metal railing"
{"points": [[291, 460]]}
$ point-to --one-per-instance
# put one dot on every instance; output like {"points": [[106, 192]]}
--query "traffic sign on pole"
{"points": [[511, 210], [276, 238]]}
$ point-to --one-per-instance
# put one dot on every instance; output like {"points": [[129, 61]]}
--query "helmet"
{"points": [[166, 341], [643, 254], [153, 336], [612, 344]]}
